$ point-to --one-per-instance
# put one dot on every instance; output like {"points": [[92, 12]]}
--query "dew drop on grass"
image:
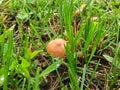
{"points": [[23, 73], [14, 79], [58, 65], [2, 79]]}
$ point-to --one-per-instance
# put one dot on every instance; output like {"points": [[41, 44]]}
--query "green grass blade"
{"points": [[51, 68], [83, 77], [8, 59], [36, 86]]}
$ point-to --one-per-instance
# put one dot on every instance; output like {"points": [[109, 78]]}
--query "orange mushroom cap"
{"points": [[56, 48]]}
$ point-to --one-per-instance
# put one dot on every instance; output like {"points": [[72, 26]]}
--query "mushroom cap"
{"points": [[56, 48]]}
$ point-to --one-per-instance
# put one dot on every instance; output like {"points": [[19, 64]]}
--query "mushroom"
{"points": [[56, 48]]}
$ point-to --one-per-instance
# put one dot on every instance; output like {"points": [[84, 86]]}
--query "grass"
{"points": [[27, 26]]}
